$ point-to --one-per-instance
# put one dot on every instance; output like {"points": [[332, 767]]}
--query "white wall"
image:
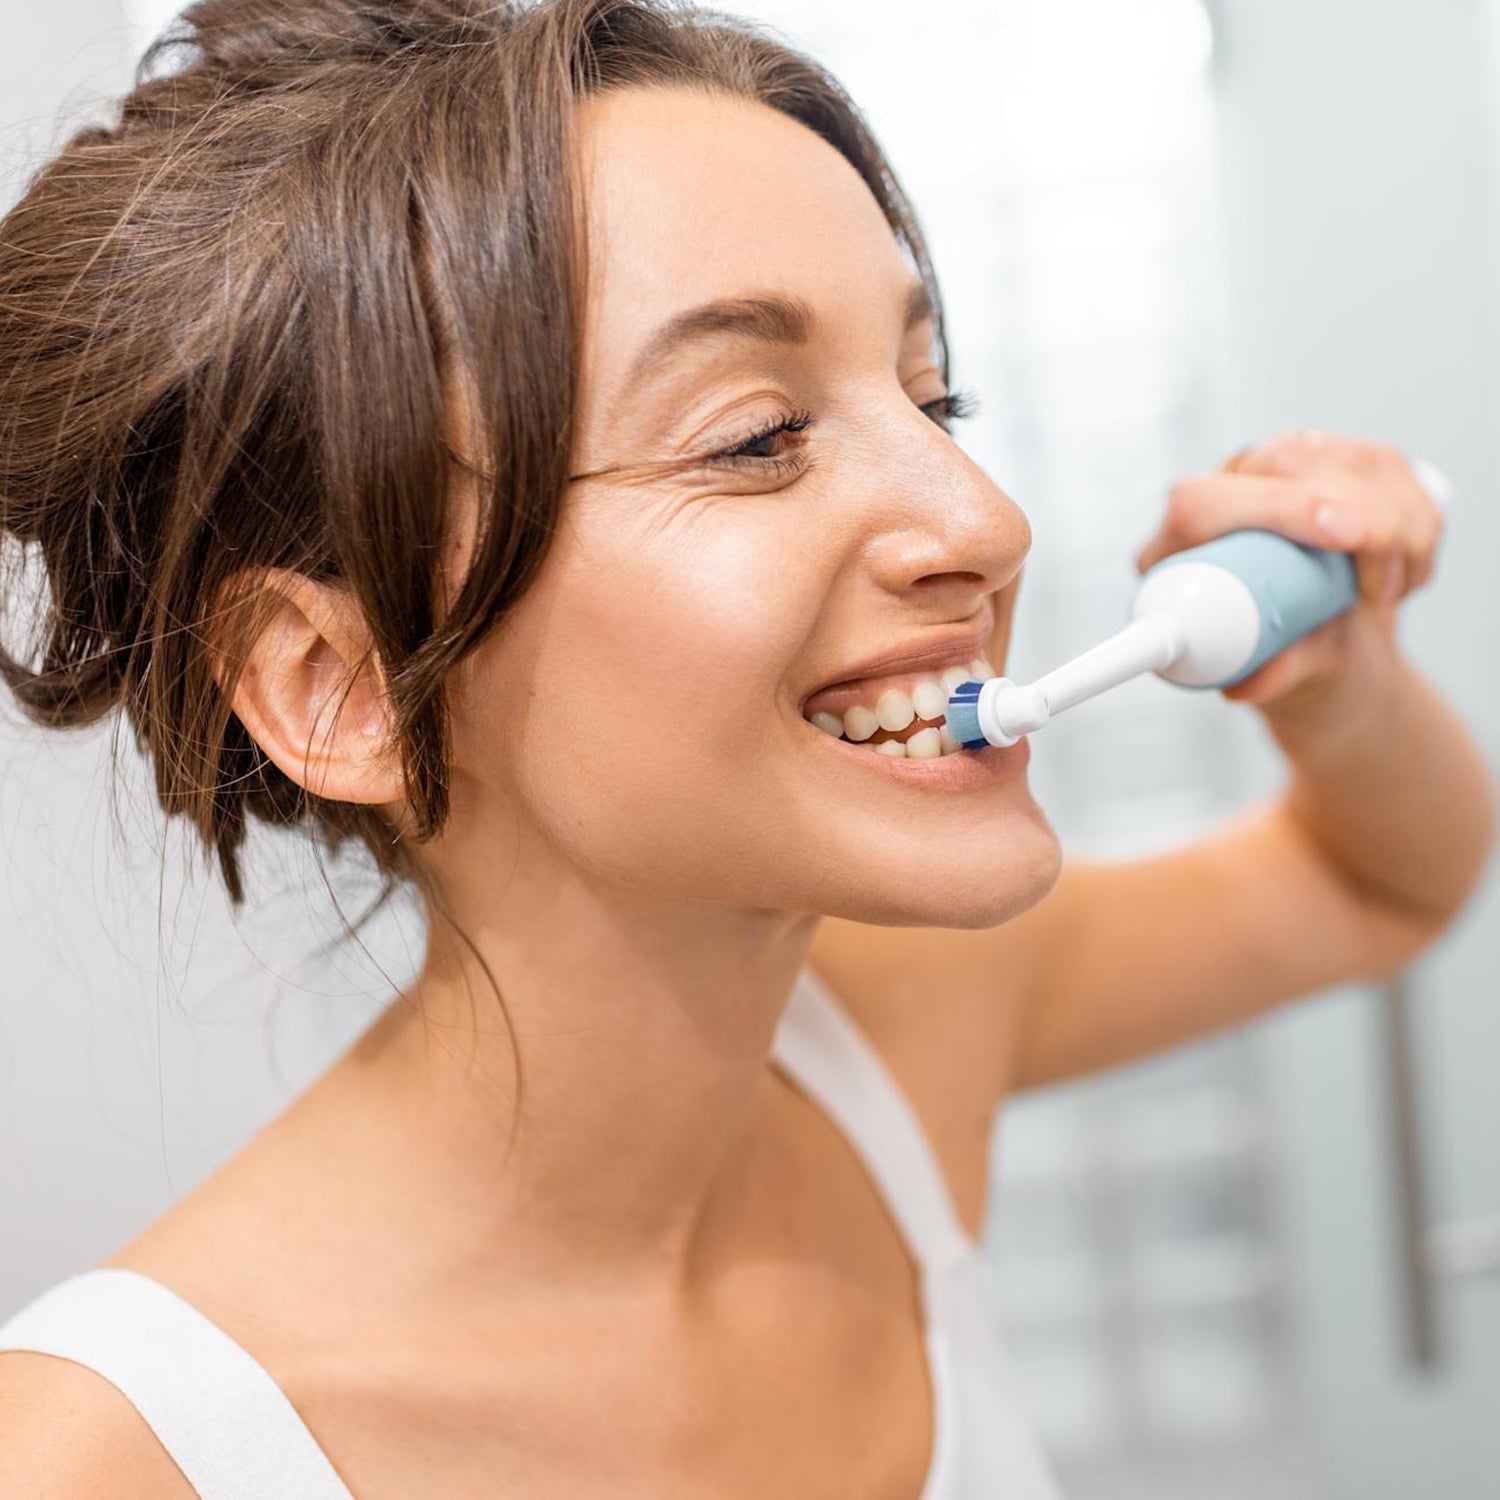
{"points": [[54, 57]]}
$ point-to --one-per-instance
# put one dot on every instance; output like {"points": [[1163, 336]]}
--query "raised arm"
{"points": [[1381, 833]]}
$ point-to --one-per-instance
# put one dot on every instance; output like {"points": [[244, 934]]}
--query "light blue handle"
{"points": [[1296, 588]]}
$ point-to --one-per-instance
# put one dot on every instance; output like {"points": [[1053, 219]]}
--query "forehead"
{"points": [[693, 196]]}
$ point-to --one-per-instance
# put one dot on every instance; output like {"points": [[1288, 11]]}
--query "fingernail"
{"points": [[1341, 525], [1395, 579]]}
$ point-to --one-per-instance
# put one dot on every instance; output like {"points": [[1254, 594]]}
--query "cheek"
{"points": [[683, 638], [636, 681], [1005, 609]]}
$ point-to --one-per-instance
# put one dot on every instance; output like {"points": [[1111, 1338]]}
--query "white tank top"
{"points": [[232, 1431]]}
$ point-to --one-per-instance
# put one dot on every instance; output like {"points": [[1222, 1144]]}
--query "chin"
{"points": [[972, 888]]}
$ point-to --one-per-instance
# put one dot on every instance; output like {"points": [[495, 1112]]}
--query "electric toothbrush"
{"points": [[1206, 617]]}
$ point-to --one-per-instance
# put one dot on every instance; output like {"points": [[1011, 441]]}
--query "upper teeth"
{"points": [[858, 723], [895, 708]]}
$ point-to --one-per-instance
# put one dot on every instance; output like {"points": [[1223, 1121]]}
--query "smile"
{"points": [[903, 718]]}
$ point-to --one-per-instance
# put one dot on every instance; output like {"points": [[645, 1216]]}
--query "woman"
{"points": [[516, 439]]}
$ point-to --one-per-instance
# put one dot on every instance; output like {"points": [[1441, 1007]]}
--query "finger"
{"points": [[1416, 566], [1399, 513], [1425, 536], [1291, 454], [1392, 577], [1265, 682], [1204, 506], [1316, 655], [1406, 542], [1412, 524]]}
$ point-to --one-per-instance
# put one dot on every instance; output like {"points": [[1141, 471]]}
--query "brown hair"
{"points": [[225, 326]]}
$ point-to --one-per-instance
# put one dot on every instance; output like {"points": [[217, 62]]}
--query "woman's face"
{"points": [[644, 709]]}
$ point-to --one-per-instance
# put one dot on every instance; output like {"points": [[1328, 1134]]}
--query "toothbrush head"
{"points": [[963, 715]]}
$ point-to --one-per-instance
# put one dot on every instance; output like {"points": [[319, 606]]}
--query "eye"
{"points": [[743, 452], [952, 407]]}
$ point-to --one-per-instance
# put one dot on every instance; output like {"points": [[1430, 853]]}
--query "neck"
{"points": [[640, 1136]]}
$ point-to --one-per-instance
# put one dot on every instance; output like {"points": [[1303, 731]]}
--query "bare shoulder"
{"points": [[67, 1433]]}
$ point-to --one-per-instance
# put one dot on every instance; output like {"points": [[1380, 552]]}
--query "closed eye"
{"points": [[952, 407]]}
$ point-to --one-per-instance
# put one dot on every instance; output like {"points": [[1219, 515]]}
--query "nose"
{"points": [[938, 523]]}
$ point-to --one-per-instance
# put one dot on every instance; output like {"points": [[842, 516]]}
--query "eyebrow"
{"points": [[770, 318]]}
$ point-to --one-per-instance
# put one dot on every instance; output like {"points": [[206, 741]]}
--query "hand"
{"points": [[1345, 494]]}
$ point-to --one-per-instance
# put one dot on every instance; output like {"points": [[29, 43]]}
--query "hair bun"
{"points": [[273, 40]]}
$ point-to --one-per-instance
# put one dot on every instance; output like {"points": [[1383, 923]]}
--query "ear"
{"points": [[304, 696]]}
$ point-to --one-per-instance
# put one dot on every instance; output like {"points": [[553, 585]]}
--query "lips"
{"points": [[896, 667]]}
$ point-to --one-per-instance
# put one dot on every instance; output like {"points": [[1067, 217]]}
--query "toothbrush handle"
{"points": [[1250, 594], [1293, 590]]}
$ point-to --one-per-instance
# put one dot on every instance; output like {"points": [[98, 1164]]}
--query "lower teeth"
{"points": [[930, 743], [925, 744]]}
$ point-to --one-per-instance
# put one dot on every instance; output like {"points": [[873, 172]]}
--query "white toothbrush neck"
{"points": [[1145, 645], [1197, 622]]}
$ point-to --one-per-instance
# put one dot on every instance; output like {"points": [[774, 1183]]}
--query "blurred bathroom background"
{"points": [[1264, 1266]]}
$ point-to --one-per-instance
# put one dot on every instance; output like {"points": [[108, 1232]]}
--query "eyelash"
{"points": [[953, 407]]}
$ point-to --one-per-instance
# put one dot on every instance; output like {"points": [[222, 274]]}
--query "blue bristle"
{"points": [[963, 715]]}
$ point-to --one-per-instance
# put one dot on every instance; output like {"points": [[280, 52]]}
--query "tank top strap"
{"points": [[225, 1422], [825, 1050]]}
